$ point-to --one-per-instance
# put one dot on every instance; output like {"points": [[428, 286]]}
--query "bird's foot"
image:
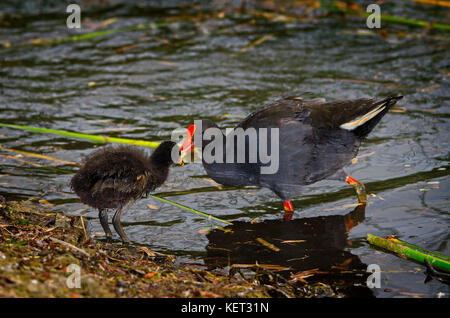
{"points": [[288, 210], [103, 216], [359, 188], [126, 241]]}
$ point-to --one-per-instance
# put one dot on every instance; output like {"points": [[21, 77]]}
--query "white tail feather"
{"points": [[362, 119]]}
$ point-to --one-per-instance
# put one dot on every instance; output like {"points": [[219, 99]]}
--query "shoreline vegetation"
{"points": [[39, 246]]}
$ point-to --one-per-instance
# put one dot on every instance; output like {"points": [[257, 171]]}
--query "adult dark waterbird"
{"points": [[316, 140], [115, 177]]}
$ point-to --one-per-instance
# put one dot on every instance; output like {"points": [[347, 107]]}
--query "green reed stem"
{"points": [[410, 252], [421, 249], [94, 138], [209, 216], [93, 35], [326, 5]]}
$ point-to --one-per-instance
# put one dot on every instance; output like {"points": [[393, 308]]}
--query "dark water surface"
{"points": [[142, 84]]}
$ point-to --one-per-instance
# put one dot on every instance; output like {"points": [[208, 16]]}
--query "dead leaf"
{"points": [[274, 267], [267, 244], [109, 21], [355, 160], [46, 203], [204, 230], [430, 88], [305, 274], [383, 33], [255, 220], [254, 43], [150, 275], [168, 63], [397, 109], [435, 2], [341, 207], [125, 48], [292, 241], [208, 294], [147, 251], [214, 183]]}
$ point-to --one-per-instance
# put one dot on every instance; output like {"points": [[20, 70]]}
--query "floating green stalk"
{"points": [[209, 216], [416, 23], [410, 251], [419, 248], [333, 7], [92, 35], [94, 138]]}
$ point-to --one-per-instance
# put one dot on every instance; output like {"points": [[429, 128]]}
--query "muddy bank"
{"points": [[42, 252]]}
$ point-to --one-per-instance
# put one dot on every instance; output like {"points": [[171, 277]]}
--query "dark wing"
{"points": [[316, 112], [335, 114], [274, 114], [347, 114]]}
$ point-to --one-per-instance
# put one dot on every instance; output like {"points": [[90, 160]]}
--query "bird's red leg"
{"points": [[288, 210], [359, 188]]}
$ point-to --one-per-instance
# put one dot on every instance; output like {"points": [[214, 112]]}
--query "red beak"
{"points": [[188, 145]]}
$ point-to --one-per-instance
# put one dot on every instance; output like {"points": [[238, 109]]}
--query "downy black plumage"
{"points": [[116, 176]]}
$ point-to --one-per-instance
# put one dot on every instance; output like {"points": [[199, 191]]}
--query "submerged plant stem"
{"points": [[337, 7], [410, 251], [209, 216], [93, 35]]}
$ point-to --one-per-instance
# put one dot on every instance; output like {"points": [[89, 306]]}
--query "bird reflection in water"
{"points": [[317, 243]]}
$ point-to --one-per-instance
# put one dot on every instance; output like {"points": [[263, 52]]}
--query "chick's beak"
{"points": [[188, 145]]}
